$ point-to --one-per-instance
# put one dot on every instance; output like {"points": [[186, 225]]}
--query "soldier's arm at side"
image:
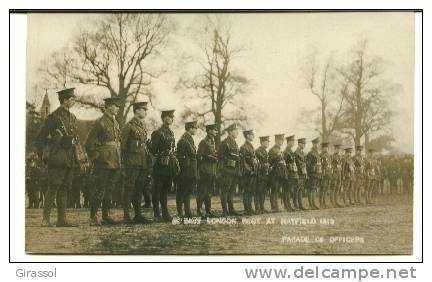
{"points": [[90, 144], [124, 137], [154, 143]]}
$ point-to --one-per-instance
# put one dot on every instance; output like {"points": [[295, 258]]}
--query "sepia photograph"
{"points": [[220, 133]]}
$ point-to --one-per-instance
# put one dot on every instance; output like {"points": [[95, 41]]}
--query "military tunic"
{"points": [[249, 164], [137, 164], [187, 179], [327, 174], [348, 177], [278, 175], [103, 147], [229, 170], [207, 167], [359, 165], [165, 168], [314, 169], [293, 177], [262, 176]]}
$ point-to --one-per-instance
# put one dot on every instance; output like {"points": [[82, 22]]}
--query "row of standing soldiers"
{"points": [[111, 151]]}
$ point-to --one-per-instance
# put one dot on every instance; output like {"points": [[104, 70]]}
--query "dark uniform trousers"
{"points": [[185, 188], [228, 189], [204, 191], [59, 184], [106, 181], [134, 180], [161, 186]]}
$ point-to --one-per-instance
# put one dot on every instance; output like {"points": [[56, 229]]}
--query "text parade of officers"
{"points": [[136, 158]]}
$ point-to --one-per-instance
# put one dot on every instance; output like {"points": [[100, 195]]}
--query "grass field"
{"points": [[381, 228]]}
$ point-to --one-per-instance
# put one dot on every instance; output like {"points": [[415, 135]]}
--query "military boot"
{"points": [[61, 209], [188, 212], [165, 214], [231, 209], [106, 219], [199, 206]]}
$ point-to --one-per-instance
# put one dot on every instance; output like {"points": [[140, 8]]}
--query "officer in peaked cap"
{"points": [[207, 165], [229, 168], [136, 161], [327, 175], [300, 160], [249, 167], [291, 187], [336, 184], [187, 179], [66, 93], [348, 176], [301, 141], [263, 173], [359, 164], [278, 171], [112, 101], [104, 148], [314, 169], [371, 179], [59, 131], [166, 166]]}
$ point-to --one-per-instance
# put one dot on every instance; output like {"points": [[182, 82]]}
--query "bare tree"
{"points": [[321, 80], [216, 83], [367, 96], [115, 54]]}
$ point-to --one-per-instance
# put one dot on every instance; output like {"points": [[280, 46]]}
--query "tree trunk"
{"points": [[324, 122], [218, 120]]}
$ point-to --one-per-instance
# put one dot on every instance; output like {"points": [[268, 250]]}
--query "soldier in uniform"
{"points": [[103, 147], [33, 186], [62, 161], [348, 176], [207, 163], [301, 170], [314, 169], [336, 184], [187, 179], [136, 162], [359, 164], [166, 166], [326, 164], [278, 171], [291, 187], [249, 171], [229, 170], [370, 181], [263, 174]]}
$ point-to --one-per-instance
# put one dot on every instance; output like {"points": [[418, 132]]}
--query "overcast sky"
{"points": [[276, 45]]}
